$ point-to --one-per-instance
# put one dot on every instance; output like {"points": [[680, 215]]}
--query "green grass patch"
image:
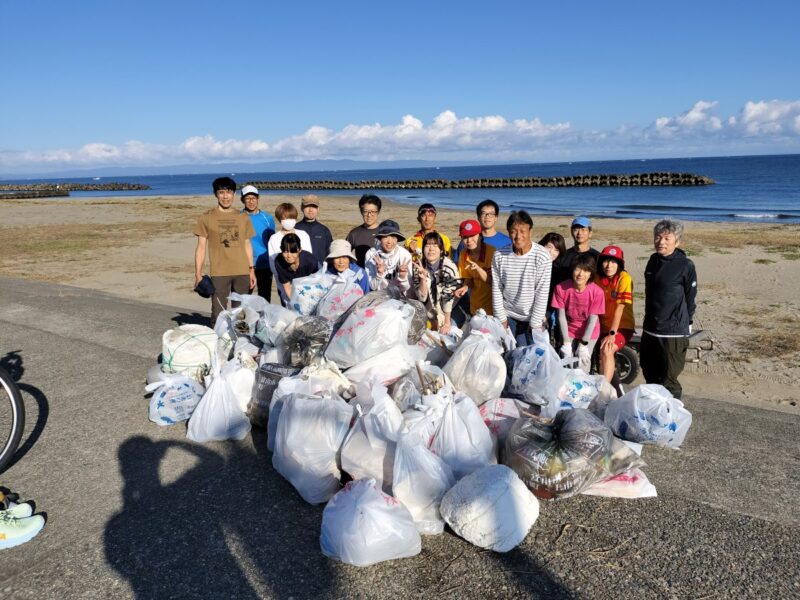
{"points": [[764, 261]]}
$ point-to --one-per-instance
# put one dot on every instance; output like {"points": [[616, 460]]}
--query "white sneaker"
{"points": [[19, 511], [15, 531]]}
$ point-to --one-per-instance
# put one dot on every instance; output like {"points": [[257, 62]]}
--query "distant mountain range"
{"points": [[264, 167]]}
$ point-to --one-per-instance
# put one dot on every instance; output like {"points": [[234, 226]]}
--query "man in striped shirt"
{"points": [[521, 280]]}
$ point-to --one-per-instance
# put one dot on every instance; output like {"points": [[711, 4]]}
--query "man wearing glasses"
{"points": [[362, 238]]}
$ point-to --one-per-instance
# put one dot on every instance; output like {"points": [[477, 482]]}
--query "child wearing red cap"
{"points": [[617, 324], [475, 267]]}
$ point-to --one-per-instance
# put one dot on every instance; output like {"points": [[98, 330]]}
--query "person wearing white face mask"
{"points": [[286, 215]]}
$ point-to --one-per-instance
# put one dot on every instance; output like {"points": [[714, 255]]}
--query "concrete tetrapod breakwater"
{"points": [[633, 180], [50, 190]]}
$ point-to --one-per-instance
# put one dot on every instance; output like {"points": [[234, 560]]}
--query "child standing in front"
{"points": [[617, 325], [579, 303]]}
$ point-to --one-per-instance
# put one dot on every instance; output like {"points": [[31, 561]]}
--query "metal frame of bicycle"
{"points": [[11, 426]]}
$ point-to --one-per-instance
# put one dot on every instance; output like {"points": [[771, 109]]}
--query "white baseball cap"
{"points": [[249, 189]]}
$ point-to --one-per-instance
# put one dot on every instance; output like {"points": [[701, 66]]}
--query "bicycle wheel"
{"points": [[12, 418]]}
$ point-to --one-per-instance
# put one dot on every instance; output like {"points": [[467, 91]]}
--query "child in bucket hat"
{"points": [[341, 261], [389, 263]]}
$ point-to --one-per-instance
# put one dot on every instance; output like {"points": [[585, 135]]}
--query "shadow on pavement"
{"points": [[228, 527], [531, 576], [191, 319], [12, 363]]}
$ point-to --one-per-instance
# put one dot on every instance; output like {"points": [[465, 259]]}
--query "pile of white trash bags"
{"points": [[427, 430]]}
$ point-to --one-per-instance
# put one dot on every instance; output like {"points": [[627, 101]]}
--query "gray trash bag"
{"points": [[268, 376], [562, 458], [419, 321], [304, 340]]}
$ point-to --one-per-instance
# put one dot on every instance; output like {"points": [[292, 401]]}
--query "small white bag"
{"points": [[648, 414], [632, 483], [270, 326], [363, 526], [477, 368], [491, 508], [309, 435], [218, 416], [462, 440], [493, 327], [499, 415], [174, 398], [421, 480], [536, 372]]}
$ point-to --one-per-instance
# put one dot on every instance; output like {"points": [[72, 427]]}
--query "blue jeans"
{"points": [[521, 331]]}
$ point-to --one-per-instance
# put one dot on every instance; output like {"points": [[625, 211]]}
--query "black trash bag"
{"points": [[268, 376], [305, 339], [418, 323], [562, 458]]}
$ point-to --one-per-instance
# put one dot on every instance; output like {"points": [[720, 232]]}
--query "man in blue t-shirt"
{"points": [[264, 225], [487, 213]]}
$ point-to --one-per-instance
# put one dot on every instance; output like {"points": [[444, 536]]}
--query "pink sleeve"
{"points": [[558, 296], [598, 306]]}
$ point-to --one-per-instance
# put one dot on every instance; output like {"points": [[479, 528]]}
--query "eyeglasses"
{"points": [[369, 212], [488, 214]]}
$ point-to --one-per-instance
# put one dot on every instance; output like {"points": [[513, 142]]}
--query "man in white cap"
{"points": [[320, 235], [264, 225]]}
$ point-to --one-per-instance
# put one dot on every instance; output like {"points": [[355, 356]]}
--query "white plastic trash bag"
{"points": [[237, 322], [284, 392], [369, 448], [578, 390], [477, 368], [493, 327], [270, 326], [462, 440], [632, 483], [188, 349], [421, 480], [253, 301], [342, 295], [363, 526], [408, 389], [218, 416], [499, 415], [308, 291], [241, 380], [368, 331], [309, 435], [174, 398], [387, 366], [491, 508], [648, 414], [536, 371]]}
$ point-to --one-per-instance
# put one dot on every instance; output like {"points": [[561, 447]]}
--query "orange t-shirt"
{"points": [[617, 290], [481, 291]]}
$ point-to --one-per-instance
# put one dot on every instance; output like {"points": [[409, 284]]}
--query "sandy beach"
{"points": [[142, 248]]}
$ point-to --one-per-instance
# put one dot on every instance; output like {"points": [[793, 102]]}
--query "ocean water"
{"points": [[747, 189]]}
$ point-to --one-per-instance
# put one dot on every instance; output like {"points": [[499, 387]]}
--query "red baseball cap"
{"points": [[614, 252], [469, 228]]}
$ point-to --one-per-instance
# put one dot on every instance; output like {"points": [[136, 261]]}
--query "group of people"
{"points": [[582, 296]]}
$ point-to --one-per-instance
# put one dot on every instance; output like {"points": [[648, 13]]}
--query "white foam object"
{"points": [[188, 349], [491, 508]]}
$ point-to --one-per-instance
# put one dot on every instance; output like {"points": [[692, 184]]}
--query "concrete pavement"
{"points": [[135, 510]]}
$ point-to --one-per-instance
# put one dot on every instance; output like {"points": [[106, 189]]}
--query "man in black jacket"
{"points": [[320, 235], [670, 288]]}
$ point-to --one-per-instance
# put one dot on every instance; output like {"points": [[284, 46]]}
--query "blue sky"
{"points": [[90, 83]]}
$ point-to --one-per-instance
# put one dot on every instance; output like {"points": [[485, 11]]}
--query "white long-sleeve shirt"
{"points": [[521, 284], [391, 262]]}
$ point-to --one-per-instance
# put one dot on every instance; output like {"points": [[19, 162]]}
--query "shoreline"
{"points": [[141, 248]]}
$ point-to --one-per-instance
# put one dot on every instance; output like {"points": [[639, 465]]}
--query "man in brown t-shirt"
{"points": [[225, 233]]}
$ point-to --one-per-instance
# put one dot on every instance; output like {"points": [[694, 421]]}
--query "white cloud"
{"points": [[758, 125]]}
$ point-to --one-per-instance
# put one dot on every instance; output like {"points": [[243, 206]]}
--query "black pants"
{"points": [[662, 360], [223, 286], [264, 283]]}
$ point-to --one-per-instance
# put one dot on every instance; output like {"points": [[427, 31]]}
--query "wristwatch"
{"points": [[612, 332]]}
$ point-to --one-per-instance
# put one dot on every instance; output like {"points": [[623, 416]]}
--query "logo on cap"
{"points": [[613, 252]]}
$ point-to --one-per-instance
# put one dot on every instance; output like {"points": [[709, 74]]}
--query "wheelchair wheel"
{"points": [[627, 360]]}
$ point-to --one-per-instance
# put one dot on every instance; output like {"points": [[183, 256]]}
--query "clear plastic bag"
{"points": [[368, 332], [420, 481], [562, 458], [499, 414], [536, 371], [344, 292], [493, 327], [363, 526], [308, 291], [648, 414], [271, 324], [308, 438], [304, 340], [578, 390], [477, 368], [409, 389]]}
